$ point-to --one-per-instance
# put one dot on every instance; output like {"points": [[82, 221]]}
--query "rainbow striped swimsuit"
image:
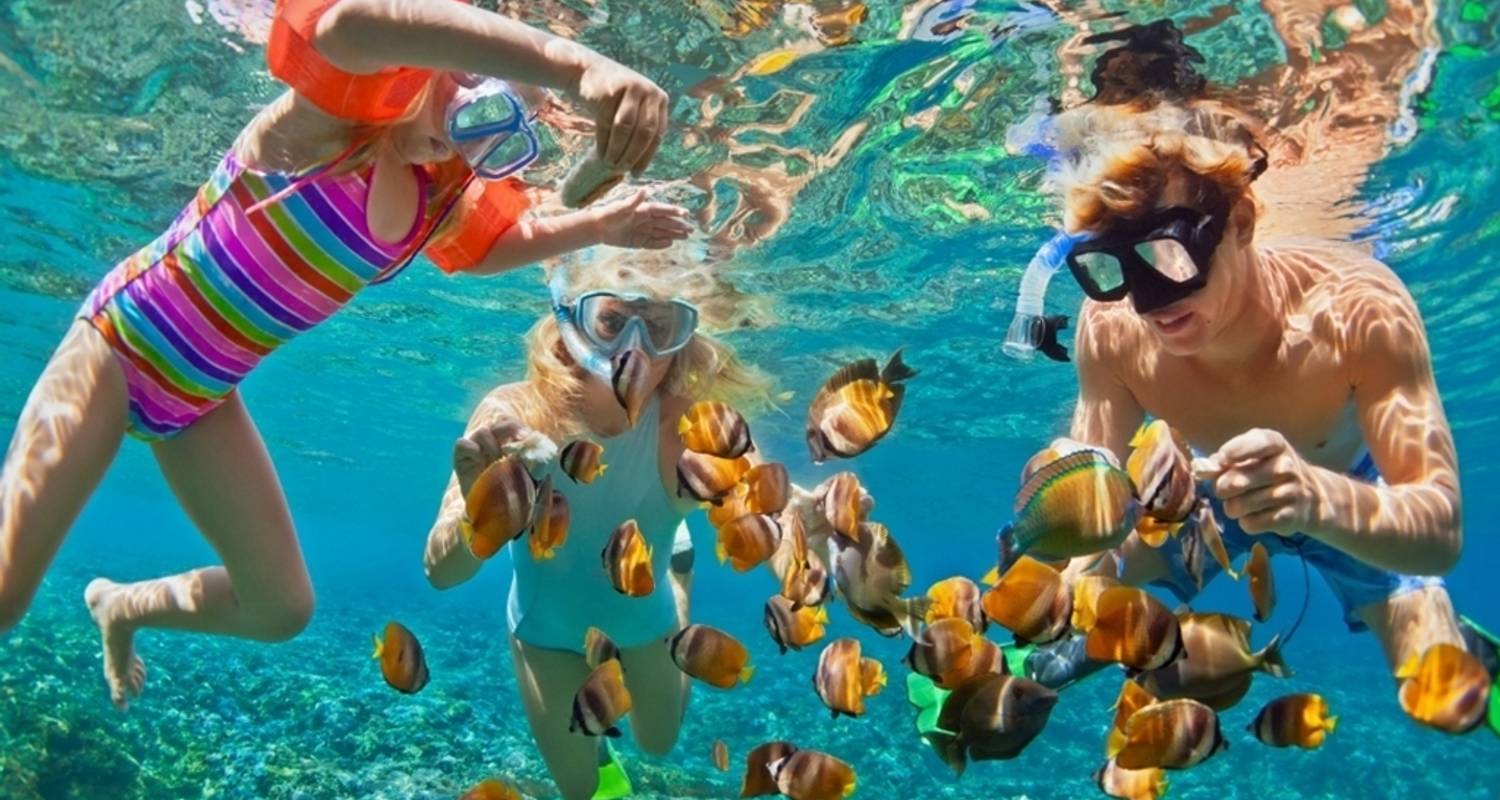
{"points": [[191, 314]]}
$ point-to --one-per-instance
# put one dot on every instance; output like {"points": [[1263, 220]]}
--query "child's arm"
{"points": [[366, 36], [631, 222]]}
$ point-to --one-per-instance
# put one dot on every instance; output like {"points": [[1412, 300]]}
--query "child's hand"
{"points": [[482, 447], [633, 222], [630, 113]]}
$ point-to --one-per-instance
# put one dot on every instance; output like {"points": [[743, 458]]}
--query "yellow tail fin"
{"points": [[379, 646], [746, 674], [721, 552], [1330, 723], [1409, 669], [992, 577], [821, 616], [1139, 435]]}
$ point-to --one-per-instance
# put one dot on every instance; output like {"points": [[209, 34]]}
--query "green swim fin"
{"points": [[613, 782], [928, 698], [1494, 641], [1015, 657]]}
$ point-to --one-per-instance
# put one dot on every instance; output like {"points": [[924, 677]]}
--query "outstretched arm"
{"points": [[629, 222], [1412, 524]]}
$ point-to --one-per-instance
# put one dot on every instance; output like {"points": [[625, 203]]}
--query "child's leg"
{"points": [[548, 680], [66, 438], [222, 475], [1409, 623], [659, 692]]}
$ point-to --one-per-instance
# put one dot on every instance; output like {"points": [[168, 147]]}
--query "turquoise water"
{"points": [[906, 223]]}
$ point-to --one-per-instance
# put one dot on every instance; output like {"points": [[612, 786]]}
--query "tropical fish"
{"points": [[732, 506], [988, 659], [627, 560], [719, 752], [748, 542], [1299, 720], [1171, 734], [1132, 698], [711, 656], [402, 663], [598, 648], [492, 789], [580, 460], [768, 488], [991, 717], [499, 506], [758, 780], [1030, 601], [844, 677], [1131, 784], [630, 380], [601, 701], [1160, 466], [1134, 629], [550, 528], [1201, 540], [943, 651], [792, 627], [1262, 582], [856, 408], [709, 479], [1217, 663], [1086, 591], [1080, 504], [957, 598], [843, 504], [804, 579], [810, 775], [872, 574], [1444, 688], [715, 429]]}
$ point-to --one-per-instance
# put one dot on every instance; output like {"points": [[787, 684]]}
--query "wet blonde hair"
{"points": [[706, 369]]}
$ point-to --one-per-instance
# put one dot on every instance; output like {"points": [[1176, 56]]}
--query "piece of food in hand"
{"points": [[581, 459], [715, 429], [1445, 688], [1078, 505], [711, 656], [590, 179], [499, 507], [709, 479], [627, 561], [758, 780], [402, 662], [549, 530], [810, 775], [748, 542], [601, 702], [1294, 720], [856, 408]]}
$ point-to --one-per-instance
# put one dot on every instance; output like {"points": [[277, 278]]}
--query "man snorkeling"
{"points": [[1299, 372]]}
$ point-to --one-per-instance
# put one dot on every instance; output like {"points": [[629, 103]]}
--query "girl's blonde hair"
{"points": [[707, 369], [1117, 159]]}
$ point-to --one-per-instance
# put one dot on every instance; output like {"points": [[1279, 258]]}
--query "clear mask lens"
{"points": [[1169, 258], [665, 326], [1103, 269]]}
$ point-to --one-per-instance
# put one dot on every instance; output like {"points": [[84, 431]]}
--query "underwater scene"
{"points": [[859, 188]]}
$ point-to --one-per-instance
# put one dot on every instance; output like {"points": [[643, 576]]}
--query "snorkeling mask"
{"points": [[490, 128], [1157, 261], [600, 324]]}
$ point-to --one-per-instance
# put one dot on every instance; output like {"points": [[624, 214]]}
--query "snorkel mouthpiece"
{"points": [[1031, 331]]}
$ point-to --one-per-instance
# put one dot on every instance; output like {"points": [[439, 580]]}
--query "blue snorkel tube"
{"points": [[581, 351], [1031, 330]]}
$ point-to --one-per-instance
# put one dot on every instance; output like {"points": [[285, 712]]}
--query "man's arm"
{"points": [[1107, 414]]}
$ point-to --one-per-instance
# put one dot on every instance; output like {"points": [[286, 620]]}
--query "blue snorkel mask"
{"points": [[490, 128], [598, 325]]}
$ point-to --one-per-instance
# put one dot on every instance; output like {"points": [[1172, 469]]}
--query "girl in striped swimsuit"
{"points": [[390, 141]]}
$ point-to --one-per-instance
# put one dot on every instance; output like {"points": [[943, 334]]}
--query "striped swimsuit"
{"points": [[190, 314]]}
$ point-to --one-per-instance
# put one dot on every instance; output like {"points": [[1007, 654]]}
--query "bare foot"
{"points": [[123, 671]]}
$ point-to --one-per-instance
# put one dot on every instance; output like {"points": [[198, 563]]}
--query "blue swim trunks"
{"points": [[1355, 583]]}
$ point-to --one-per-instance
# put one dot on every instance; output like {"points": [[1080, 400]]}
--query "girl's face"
{"points": [[423, 138]]}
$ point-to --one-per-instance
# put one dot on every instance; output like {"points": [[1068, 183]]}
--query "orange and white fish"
{"points": [[856, 408], [598, 647], [1294, 720], [1030, 601], [550, 528], [1160, 466], [957, 598], [711, 656], [748, 542], [1171, 734], [1217, 662], [713, 428], [768, 488], [1445, 688], [844, 677], [580, 459], [1134, 629], [872, 575], [804, 579], [709, 479], [493, 789], [758, 780], [843, 504], [1132, 698], [1262, 582], [499, 506], [601, 702], [794, 628], [810, 775], [402, 662], [627, 561], [1131, 784], [943, 651]]}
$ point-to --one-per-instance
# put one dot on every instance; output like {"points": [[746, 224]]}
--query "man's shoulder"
{"points": [[1358, 299]]}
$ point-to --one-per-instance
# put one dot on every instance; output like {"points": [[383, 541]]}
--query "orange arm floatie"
{"points": [[379, 97], [486, 210]]}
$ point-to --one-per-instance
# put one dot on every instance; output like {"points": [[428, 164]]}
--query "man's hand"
{"points": [[1263, 483]]}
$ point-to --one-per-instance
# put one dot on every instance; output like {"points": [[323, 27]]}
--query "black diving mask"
{"points": [[1156, 261]]}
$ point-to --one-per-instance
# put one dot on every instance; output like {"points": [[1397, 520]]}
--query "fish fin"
{"points": [[821, 615], [746, 674], [599, 471], [1330, 723], [848, 790], [896, 370], [1139, 435], [721, 552], [992, 577], [1153, 534], [379, 646], [1115, 744], [1008, 551], [1410, 668], [1271, 661]]}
